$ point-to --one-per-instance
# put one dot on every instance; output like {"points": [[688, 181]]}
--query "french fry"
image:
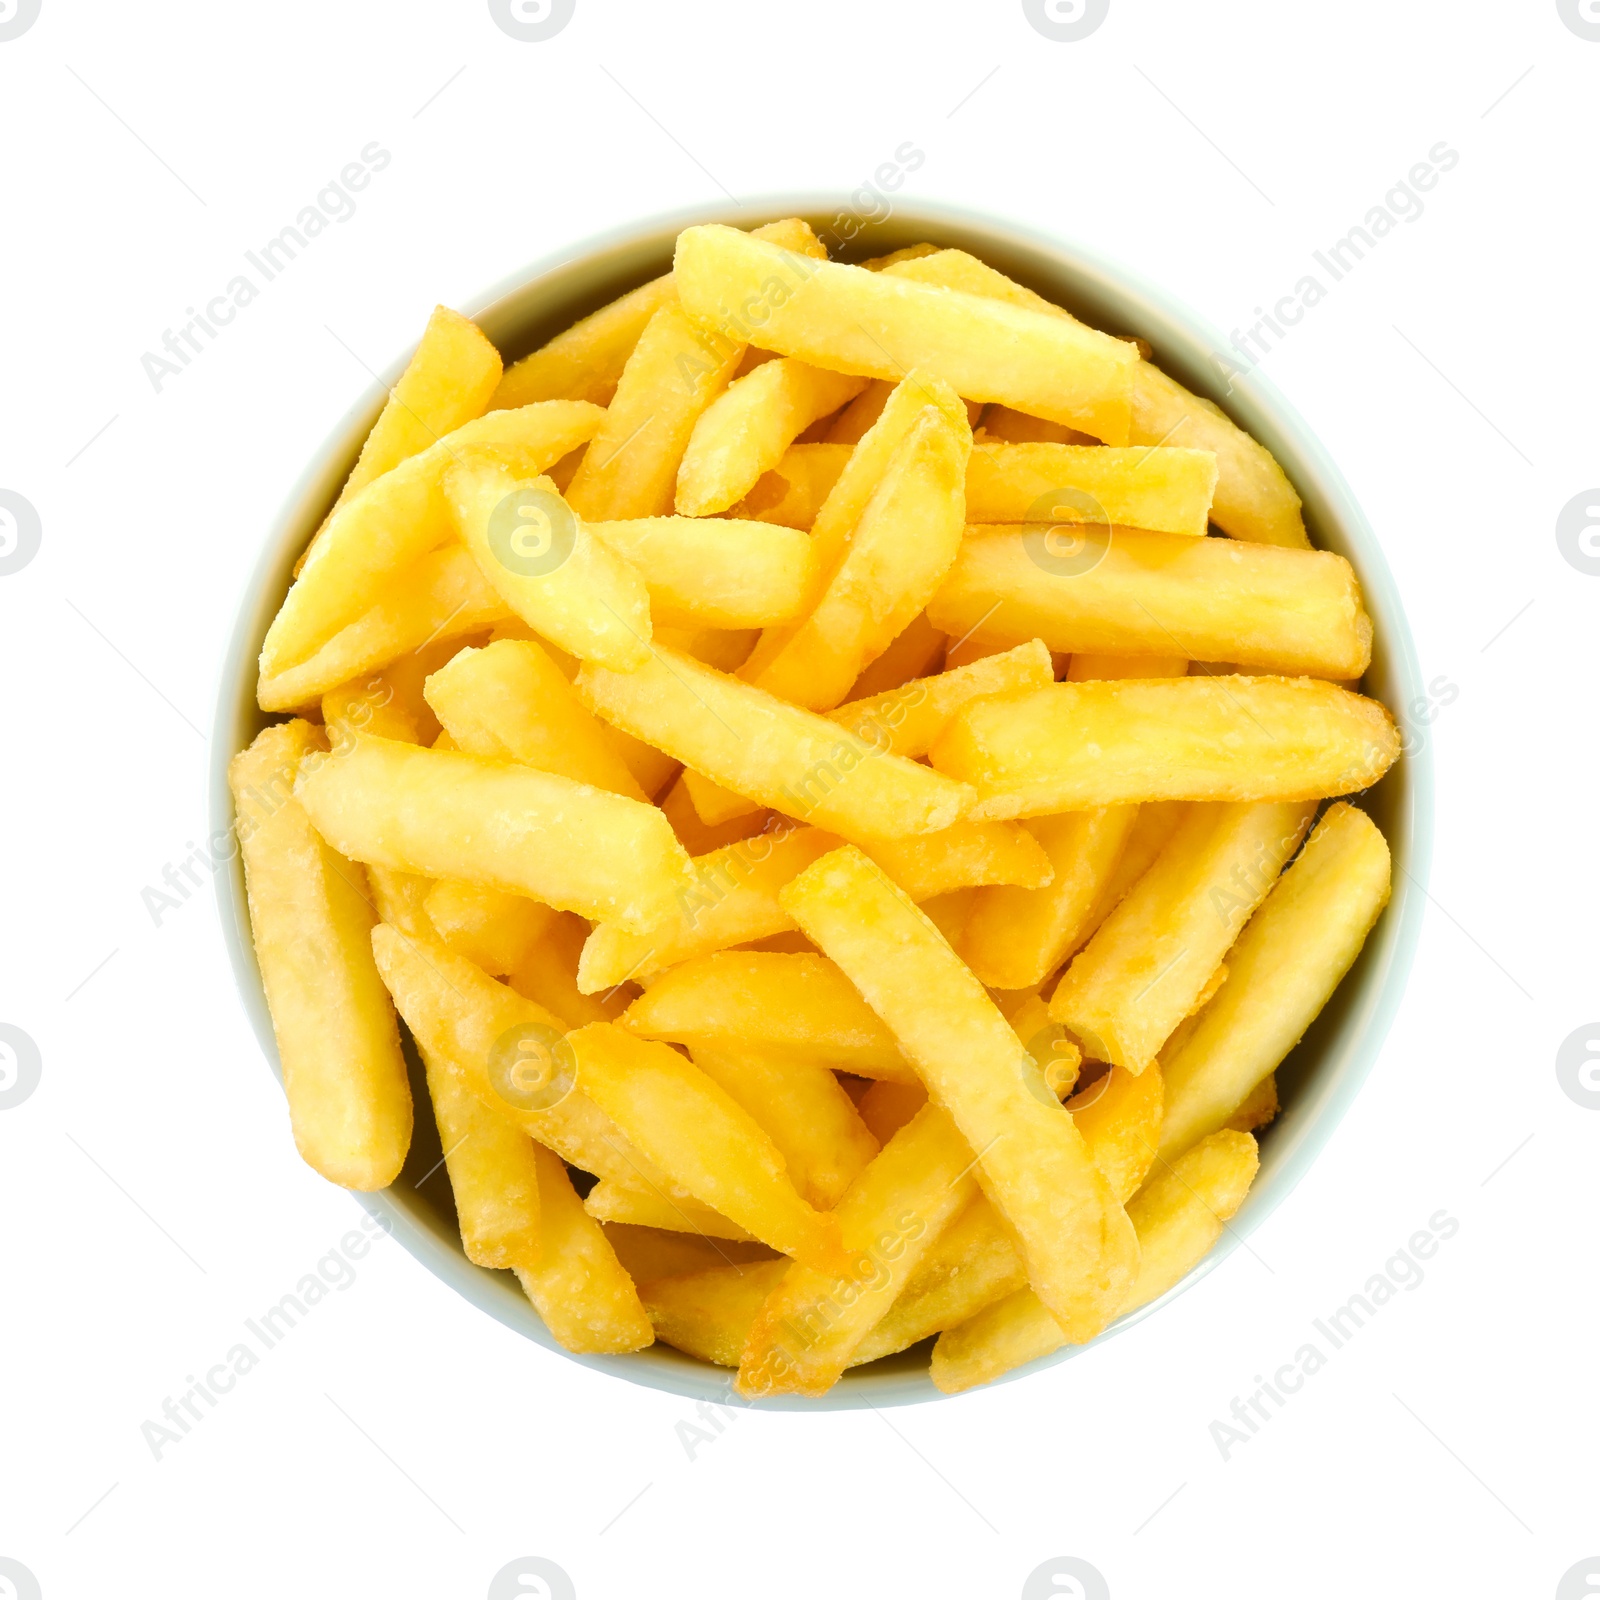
{"points": [[1153, 825], [511, 702], [650, 1253], [1005, 426], [1254, 500], [1178, 1217], [1087, 666], [441, 597], [985, 349], [803, 1110], [701, 1138], [972, 647], [544, 562], [577, 1285], [1124, 591], [708, 1314], [791, 493], [1075, 1238], [887, 1106], [1283, 968], [807, 1330], [497, 930], [786, 757], [509, 1053], [915, 651], [401, 898], [494, 1175], [1259, 1107], [698, 837], [798, 1006], [549, 976], [1119, 1116], [1075, 746], [397, 519], [1148, 963], [339, 1049], [851, 425], [722, 648], [966, 855], [451, 815], [907, 720], [368, 705], [1166, 489], [745, 431], [613, 1202], [715, 805], [716, 572]]}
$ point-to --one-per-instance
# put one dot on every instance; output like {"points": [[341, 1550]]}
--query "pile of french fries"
{"points": [[825, 761]]}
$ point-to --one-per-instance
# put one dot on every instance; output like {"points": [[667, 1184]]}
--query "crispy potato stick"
{"points": [[792, 493], [879, 325], [339, 1049], [585, 361], [917, 650], [1119, 1116], [511, 702], [716, 572], [715, 805], [746, 429], [886, 1106], [804, 1111], [1057, 1055], [904, 544], [549, 976], [441, 597], [401, 898], [566, 584], [701, 1138], [508, 1052], [1087, 666], [397, 519], [1153, 825], [1123, 591], [808, 1328], [1075, 746], [367, 705], [1149, 961], [908, 719], [1005, 426], [1286, 963], [1259, 1108], [493, 1174], [649, 1253], [709, 1314], [451, 815], [617, 1202], [1178, 1217], [786, 757], [696, 836], [722, 648], [1167, 490], [1016, 937], [1077, 1243], [577, 1285], [1254, 500], [798, 1006], [489, 926], [851, 425], [966, 855]]}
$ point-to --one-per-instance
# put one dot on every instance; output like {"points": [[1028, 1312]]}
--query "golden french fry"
{"points": [[746, 429], [397, 519], [1087, 665], [803, 1110], [786, 757], [1005, 426], [368, 705], [1149, 961], [1179, 1216], [549, 976], [966, 855], [715, 805], [907, 720], [1258, 1108], [970, 648], [701, 1138], [544, 562], [888, 1105], [1075, 746], [716, 572], [577, 1285], [451, 815], [798, 1006], [851, 425], [792, 493], [807, 1330], [493, 1172], [708, 1314], [1166, 489], [1124, 591], [722, 648], [879, 325], [1283, 968], [401, 898], [1074, 1236], [649, 1253], [914, 652], [339, 1049], [1119, 1116], [698, 837], [614, 1202], [497, 930], [511, 702]]}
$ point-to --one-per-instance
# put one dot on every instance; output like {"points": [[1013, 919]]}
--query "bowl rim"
{"points": [[1178, 333]]}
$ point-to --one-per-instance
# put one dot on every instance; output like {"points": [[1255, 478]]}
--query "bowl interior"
{"points": [[1324, 1073]]}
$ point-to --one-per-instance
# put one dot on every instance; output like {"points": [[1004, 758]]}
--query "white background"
{"points": [[400, 1442]]}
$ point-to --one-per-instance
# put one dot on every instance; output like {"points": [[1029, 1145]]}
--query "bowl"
{"points": [[1318, 1081]]}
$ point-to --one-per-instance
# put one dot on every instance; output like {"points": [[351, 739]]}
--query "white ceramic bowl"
{"points": [[1320, 1078]]}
